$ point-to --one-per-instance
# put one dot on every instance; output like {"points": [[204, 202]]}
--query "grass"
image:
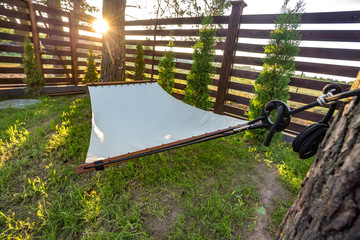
{"points": [[204, 191]]}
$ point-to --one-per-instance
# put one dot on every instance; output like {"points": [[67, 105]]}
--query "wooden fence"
{"points": [[64, 37]]}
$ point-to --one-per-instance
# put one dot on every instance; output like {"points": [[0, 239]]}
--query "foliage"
{"points": [[34, 79], [278, 65], [197, 92], [139, 62], [91, 74], [167, 70]]}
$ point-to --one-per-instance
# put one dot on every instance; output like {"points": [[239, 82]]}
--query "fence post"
{"points": [[229, 53], [34, 33], [73, 45], [153, 53]]}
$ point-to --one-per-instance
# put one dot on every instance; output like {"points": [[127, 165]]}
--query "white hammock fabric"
{"points": [[132, 117]]}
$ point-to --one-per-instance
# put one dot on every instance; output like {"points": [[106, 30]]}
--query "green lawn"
{"points": [[204, 191]]}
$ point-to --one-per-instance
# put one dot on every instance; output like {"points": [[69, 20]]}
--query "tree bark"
{"points": [[328, 205], [113, 49]]}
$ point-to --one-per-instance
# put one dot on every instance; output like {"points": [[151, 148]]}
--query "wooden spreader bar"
{"points": [[88, 167], [118, 83]]}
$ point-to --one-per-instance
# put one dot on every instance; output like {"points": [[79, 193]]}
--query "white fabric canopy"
{"points": [[132, 117]]}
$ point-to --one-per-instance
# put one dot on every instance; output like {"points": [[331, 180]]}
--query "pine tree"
{"points": [[278, 65], [167, 70], [139, 62], [197, 92], [91, 74], [34, 79]]}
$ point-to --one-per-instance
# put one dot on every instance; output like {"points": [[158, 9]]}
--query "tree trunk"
{"points": [[328, 205], [113, 49]]}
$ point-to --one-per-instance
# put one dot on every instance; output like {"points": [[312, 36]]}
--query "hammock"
{"points": [[135, 119]]}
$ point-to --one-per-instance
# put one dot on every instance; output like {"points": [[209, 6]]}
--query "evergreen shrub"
{"points": [[197, 92], [91, 74], [139, 62], [34, 79], [278, 65], [167, 70]]}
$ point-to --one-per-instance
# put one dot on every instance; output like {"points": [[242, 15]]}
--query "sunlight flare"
{"points": [[100, 26]]}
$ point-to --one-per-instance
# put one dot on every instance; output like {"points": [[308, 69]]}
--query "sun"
{"points": [[100, 26]]}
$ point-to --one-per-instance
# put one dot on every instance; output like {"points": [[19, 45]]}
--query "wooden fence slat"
{"points": [[14, 14], [11, 70], [52, 21], [56, 52], [308, 18], [53, 32], [56, 62], [18, 3], [328, 53], [11, 49], [51, 10], [5, 59], [16, 26], [176, 21], [310, 35]]}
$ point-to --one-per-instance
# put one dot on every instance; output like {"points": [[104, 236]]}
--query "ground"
{"points": [[221, 189]]}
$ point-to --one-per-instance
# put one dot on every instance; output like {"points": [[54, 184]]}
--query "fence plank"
{"points": [[51, 10], [5, 59], [16, 26], [18, 3], [14, 14], [308, 18], [53, 32]]}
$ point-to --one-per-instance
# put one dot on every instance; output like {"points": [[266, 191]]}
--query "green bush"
{"points": [[34, 79], [278, 65], [139, 62], [197, 92], [91, 74], [167, 70]]}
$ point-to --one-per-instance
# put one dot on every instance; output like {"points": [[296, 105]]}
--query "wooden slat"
{"points": [[329, 69], [91, 39], [56, 52], [235, 111], [56, 61], [296, 82], [54, 42], [308, 18], [4, 59], [13, 14], [85, 17], [56, 71], [4, 81], [176, 21], [183, 33], [13, 49], [11, 70], [328, 53], [87, 46], [13, 37], [337, 70], [18, 3], [16, 26], [51, 10], [52, 21], [311, 35], [53, 32]]}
